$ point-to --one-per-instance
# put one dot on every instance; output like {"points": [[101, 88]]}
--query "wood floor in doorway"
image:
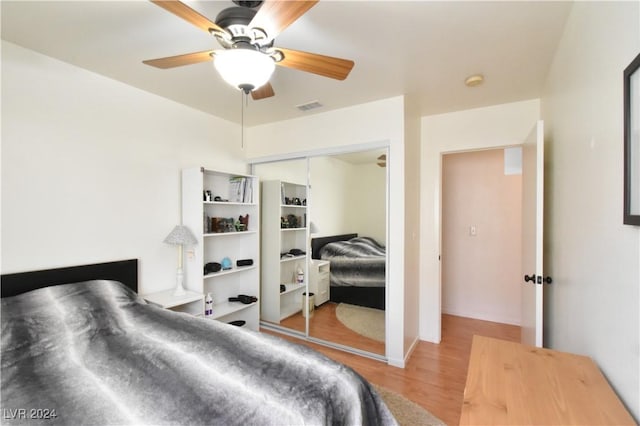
{"points": [[435, 374]]}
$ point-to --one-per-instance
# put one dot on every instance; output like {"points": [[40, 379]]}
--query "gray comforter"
{"points": [[358, 262], [95, 353]]}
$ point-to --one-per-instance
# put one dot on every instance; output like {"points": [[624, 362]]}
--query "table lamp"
{"points": [[180, 235]]}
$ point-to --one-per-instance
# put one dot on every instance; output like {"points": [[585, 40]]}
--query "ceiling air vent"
{"points": [[309, 105]]}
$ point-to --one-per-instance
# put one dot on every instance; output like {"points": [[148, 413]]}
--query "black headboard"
{"points": [[125, 271], [318, 243]]}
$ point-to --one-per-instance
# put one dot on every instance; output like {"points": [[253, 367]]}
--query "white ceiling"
{"points": [[422, 49]]}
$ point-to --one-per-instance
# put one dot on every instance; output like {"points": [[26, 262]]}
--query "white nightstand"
{"points": [[319, 282], [190, 302]]}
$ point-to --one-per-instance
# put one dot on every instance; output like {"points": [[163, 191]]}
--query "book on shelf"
{"points": [[240, 189]]}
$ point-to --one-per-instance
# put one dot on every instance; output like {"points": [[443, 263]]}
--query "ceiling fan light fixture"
{"points": [[244, 69]]}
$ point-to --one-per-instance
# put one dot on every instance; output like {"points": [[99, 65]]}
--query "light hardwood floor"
{"points": [[325, 325], [435, 374]]}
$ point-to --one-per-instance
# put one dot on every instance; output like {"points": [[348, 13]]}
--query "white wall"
{"points": [[348, 198], [490, 127], [330, 195], [593, 305], [91, 167], [412, 230], [367, 212], [481, 272], [379, 122]]}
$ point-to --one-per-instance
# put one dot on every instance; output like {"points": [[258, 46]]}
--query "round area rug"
{"points": [[367, 322], [406, 411]]}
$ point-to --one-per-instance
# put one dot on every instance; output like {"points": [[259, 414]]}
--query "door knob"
{"points": [[531, 278]]}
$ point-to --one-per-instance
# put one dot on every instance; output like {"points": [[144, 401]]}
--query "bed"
{"points": [[79, 346], [358, 268]]}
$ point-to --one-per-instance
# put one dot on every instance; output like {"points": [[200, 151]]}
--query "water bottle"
{"points": [[208, 305]]}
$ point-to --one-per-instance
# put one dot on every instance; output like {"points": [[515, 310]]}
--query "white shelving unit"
{"points": [[279, 238], [197, 212]]}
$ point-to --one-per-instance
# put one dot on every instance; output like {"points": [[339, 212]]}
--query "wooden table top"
{"points": [[513, 384]]}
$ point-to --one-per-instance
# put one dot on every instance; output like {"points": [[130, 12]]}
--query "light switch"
{"points": [[473, 231]]}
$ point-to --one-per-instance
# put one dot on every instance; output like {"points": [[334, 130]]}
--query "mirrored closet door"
{"points": [[324, 260]]}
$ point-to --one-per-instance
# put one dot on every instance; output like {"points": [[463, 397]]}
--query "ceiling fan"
{"points": [[248, 57]]}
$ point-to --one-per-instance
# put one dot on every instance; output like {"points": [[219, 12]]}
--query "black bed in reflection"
{"points": [[358, 268]]}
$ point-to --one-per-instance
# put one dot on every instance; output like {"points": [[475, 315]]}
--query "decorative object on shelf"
{"points": [[208, 305], [294, 252], [212, 267], [283, 288], [243, 298], [179, 236], [632, 143], [226, 264], [291, 221], [244, 220], [300, 276], [206, 196], [238, 323], [222, 224], [244, 262]]}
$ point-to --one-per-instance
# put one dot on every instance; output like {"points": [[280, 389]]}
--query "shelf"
{"points": [[220, 234], [291, 229], [289, 259], [294, 206], [291, 288], [243, 195], [227, 203], [167, 299], [227, 308], [230, 271]]}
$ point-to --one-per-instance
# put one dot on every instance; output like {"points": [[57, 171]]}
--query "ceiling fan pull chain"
{"points": [[243, 100]]}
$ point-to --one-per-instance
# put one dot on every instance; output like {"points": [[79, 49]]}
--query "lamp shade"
{"points": [[180, 235], [244, 69]]}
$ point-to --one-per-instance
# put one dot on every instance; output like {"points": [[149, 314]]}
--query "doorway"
{"points": [[481, 234]]}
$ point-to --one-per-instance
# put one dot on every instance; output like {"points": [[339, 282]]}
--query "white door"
{"points": [[532, 286]]}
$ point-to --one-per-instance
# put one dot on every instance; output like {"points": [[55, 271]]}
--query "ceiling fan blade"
{"points": [[326, 66], [274, 16], [185, 12], [266, 91], [180, 60]]}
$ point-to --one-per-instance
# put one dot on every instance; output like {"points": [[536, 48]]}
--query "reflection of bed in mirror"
{"points": [[358, 266]]}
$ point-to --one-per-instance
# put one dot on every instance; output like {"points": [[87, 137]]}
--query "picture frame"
{"points": [[631, 86]]}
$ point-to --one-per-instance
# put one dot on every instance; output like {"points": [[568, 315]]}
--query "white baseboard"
{"points": [[482, 316]]}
